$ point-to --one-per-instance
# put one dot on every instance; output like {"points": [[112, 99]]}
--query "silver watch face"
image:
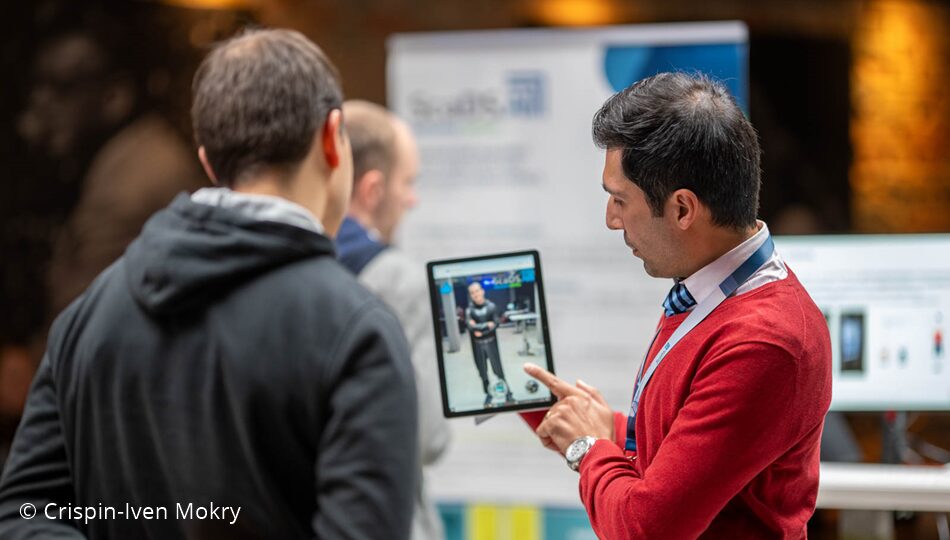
{"points": [[577, 449]]}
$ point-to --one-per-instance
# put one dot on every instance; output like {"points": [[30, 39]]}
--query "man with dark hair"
{"points": [[227, 378], [722, 438], [481, 320], [385, 163]]}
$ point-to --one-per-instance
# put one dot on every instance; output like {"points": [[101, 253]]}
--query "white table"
{"points": [[868, 486]]}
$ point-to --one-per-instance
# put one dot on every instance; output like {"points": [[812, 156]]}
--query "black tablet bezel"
{"points": [[435, 308]]}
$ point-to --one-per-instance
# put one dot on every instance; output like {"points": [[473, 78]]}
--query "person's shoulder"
{"points": [[105, 296], [393, 258], [780, 299], [790, 298], [320, 294], [320, 279], [393, 264], [315, 292], [171, 165], [779, 313], [395, 276]]}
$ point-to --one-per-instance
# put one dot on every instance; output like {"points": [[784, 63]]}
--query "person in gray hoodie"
{"points": [[227, 377]]}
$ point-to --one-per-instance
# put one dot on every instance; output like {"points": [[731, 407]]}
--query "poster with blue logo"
{"points": [[503, 122]]}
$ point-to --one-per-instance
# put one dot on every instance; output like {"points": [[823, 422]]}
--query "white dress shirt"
{"points": [[707, 279]]}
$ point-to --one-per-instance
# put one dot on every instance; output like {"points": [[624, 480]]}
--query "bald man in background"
{"points": [[385, 164]]}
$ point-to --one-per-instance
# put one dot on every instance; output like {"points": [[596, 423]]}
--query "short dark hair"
{"points": [[681, 131], [372, 137], [258, 100]]}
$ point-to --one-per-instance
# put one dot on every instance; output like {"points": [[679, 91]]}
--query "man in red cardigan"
{"points": [[722, 437]]}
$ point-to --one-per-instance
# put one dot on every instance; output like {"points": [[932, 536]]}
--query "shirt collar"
{"points": [[707, 279], [260, 207]]}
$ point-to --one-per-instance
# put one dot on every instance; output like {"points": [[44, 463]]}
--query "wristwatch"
{"points": [[577, 450]]}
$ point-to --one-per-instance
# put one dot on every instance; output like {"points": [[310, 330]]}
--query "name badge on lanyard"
{"points": [[704, 308]]}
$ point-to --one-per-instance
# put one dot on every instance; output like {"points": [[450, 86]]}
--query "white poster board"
{"points": [[503, 121]]}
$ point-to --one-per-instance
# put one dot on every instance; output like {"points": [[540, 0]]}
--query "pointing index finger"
{"points": [[557, 386]]}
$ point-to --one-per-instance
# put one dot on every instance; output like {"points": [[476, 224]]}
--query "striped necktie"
{"points": [[679, 300]]}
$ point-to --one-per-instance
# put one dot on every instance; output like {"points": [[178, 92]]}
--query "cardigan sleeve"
{"points": [[739, 417]]}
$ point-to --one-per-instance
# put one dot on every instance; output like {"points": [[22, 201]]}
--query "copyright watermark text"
{"points": [[85, 514]]}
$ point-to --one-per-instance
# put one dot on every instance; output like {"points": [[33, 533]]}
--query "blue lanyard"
{"points": [[704, 308]]}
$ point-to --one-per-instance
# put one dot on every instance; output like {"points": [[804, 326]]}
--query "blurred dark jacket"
{"points": [[225, 360]]}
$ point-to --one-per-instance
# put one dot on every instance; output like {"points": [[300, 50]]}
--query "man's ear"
{"points": [[370, 189], [203, 158], [331, 138], [684, 207]]}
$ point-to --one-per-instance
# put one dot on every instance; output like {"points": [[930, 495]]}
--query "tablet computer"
{"points": [[490, 318]]}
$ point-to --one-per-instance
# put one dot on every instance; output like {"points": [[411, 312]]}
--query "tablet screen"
{"points": [[489, 318]]}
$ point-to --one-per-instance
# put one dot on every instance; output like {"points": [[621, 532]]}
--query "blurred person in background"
{"points": [[385, 165], [227, 360], [104, 158], [88, 108]]}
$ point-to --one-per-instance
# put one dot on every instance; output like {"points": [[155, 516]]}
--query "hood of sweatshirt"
{"points": [[191, 252]]}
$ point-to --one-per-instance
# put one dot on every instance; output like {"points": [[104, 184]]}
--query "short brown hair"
{"points": [[258, 100], [372, 137]]}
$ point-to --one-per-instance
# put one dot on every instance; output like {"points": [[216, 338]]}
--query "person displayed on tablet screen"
{"points": [[481, 320]]}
